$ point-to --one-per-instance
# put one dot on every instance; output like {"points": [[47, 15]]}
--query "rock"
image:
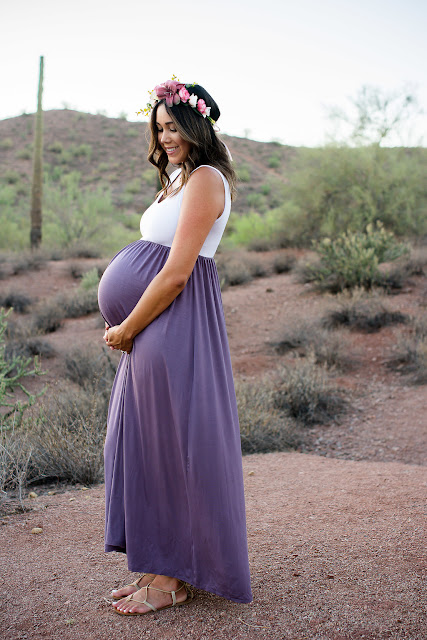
{"points": [[251, 473], [37, 530], [32, 494]]}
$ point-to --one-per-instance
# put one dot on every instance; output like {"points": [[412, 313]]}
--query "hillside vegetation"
{"points": [[96, 172], [97, 183]]}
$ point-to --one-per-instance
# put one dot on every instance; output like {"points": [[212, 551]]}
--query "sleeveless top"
{"points": [[158, 223]]}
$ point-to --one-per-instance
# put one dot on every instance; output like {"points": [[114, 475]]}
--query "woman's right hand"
{"points": [[105, 336]]}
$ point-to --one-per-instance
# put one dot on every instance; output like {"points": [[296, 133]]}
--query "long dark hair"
{"points": [[206, 147]]}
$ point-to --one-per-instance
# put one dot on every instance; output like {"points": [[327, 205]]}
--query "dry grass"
{"points": [[410, 357], [361, 311], [49, 315], [15, 300], [263, 427], [305, 392], [310, 339]]}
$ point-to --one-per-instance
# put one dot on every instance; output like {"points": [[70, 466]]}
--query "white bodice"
{"points": [[158, 223]]}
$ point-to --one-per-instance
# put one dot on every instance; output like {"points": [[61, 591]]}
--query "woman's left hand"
{"points": [[116, 339]]}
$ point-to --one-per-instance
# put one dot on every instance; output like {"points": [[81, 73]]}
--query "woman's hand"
{"points": [[115, 338]]}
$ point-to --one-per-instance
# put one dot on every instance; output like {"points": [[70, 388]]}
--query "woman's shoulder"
{"points": [[211, 174]]}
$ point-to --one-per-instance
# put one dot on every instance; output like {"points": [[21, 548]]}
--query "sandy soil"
{"points": [[336, 531]]}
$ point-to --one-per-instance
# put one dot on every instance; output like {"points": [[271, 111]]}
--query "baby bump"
{"points": [[126, 278]]}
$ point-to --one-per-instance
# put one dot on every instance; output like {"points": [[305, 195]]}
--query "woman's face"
{"points": [[169, 139]]}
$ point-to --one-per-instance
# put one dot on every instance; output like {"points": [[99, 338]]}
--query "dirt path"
{"points": [[336, 552], [336, 532]]}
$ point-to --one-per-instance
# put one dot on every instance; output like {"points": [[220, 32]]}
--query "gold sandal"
{"points": [[131, 598], [132, 584]]}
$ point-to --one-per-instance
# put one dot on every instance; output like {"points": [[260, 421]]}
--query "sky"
{"points": [[273, 66]]}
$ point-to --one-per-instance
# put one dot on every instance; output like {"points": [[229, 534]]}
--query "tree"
{"points": [[376, 116], [37, 185]]}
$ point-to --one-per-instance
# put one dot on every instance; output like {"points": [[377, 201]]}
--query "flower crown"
{"points": [[174, 92]]}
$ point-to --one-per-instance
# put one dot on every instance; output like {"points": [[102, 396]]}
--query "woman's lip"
{"points": [[171, 151]]}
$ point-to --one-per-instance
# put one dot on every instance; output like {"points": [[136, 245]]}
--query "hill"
{"points": [[112, 152]]}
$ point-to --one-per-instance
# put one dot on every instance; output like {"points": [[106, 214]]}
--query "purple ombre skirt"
{"points": [[173, 467]]}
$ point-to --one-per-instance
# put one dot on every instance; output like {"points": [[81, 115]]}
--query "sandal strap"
{"points": [[131, 598], [149, 586]]}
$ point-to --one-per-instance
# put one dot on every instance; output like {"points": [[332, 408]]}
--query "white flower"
{"points": [[153, 98], [207, 111], [193, 100]]}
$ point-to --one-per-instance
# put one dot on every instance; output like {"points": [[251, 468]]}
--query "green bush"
{"points": [[244, 173], [274, 162], [134, 186], [352, 259], [90, 279], [13, 369], [11, 177], [341, 189], [55, 147], [5, 144], [24, 154]]}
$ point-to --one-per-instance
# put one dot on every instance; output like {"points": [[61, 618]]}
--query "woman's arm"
{"points": [[202, 203]]}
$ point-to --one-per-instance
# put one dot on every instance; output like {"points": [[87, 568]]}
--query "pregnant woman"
{"points": [[173, 468]]}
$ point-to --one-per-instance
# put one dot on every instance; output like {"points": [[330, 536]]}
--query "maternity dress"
{"points": [[173, 467]]}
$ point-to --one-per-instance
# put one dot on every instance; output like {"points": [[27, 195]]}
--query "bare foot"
{"points": [[155, 595], [145, 579]]}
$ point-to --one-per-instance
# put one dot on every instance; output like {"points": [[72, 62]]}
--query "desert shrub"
{"points": [[133, 187], [395, 276], [150, 177], [91, 369], [55, 147], [10, 176], [257, 202], [16, 300], [260, 245], [263, 427], [74, 214], [111, 132], [81, 150], [340, 189], [309, 339], [90, 279], [352, 259], [24, 154], [304, 392], [5, 144], [243, 173], [49, 315], [67, 438], [131, 133], [362, 312], [13, 369], [83, 250], [252, 229], [15, 456], [274, 161], [28, 347], [80, 303], [284, 262], [257, 269], [410, 356], [232, 270]]}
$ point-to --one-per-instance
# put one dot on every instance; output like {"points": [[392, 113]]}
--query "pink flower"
{"points": [[169, 91], [201, 107], [184, 95]]}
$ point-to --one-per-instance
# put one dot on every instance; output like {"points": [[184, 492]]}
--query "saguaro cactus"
{"points": [[37, 185]]}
